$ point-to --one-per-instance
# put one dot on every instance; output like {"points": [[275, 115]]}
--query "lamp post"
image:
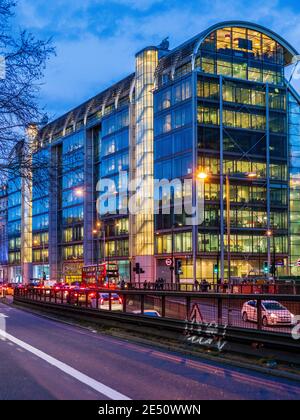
{"points": [[271, 234], [36, 243], [97, 232]]}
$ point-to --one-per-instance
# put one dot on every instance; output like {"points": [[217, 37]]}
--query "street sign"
{"points": [[169, 262], [280, 263], [196, 315], [178, 267]]}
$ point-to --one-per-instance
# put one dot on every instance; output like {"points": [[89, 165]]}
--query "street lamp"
{"points": [[79, 192], [100, 229], [37, 243], [271, 234], [202, 176]]}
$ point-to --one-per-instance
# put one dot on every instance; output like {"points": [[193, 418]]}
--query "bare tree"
{"points": [[25, 58]]}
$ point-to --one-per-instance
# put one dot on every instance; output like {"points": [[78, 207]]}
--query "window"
{"points": [[74, 234], [74, 252], [40, 222], [182, 116], [239, 70], [224, 68], [242, 53], [208, 89], [208, 65], [73, 143], [72, 215], [73, 179], [115, 143], [163, 100], [183, 70], [115, 122], [208, 115], [182, 141], [182, 91], [163, 124]]}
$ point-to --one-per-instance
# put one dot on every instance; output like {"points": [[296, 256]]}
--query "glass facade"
{"points": [[241, 102], [221, 107], [242, 53], [294, 149], [113, 165], [71, 213], [40, 215], [14, 226]]}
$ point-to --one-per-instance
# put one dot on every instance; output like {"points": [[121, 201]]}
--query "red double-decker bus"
{"points": [[102, 275]]}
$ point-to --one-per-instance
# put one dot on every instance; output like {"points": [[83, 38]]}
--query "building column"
{"points": [[222, 224], [26, 232], [55, 273], [195, 197], [146, 64], [89, 204], [268, 173]]}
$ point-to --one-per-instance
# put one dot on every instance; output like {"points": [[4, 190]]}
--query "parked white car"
{"points": [[272, 313]]}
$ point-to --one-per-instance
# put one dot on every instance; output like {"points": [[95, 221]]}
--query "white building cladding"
{"points": [[188, 108]]}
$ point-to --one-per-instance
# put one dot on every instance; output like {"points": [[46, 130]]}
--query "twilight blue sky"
{"points": [[96, 39]]}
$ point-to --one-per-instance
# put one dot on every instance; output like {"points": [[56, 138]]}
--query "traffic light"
{"points": [[216, 269], [266, 267], [178, 267], [273, 269], [138, 269]]}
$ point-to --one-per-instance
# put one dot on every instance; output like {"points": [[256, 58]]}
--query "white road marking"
{"points": [[3, 324], [81, 377]]}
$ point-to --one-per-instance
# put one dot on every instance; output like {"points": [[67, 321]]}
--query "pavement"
{"points": [[43, 359]]}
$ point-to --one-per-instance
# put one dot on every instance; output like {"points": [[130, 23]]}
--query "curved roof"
{"points": [[110, 96], [185, 52], [190, 47]]}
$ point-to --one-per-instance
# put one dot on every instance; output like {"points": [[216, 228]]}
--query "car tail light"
{"points": [[76, 294], [92, 295], [120, 300]]}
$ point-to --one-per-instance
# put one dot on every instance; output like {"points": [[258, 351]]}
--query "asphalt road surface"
{"points": [[45, 359]]}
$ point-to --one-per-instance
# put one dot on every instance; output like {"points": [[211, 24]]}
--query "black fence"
{"points": [[244, 288], [267, 313]]}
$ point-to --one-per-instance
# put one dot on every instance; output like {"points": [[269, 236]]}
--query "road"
{"points": [[49, 360]]}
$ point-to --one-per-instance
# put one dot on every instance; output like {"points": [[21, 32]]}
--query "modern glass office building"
{"points": [[3, 234], [219, 105]]}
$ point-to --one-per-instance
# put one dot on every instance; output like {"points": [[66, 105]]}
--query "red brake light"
{"points": [[120, 300]]}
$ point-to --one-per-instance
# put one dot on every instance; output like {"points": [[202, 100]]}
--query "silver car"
{"points": [[272, 312]]}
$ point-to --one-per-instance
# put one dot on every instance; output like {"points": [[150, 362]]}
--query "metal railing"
{"points": [[177, 310], [244, 288]]}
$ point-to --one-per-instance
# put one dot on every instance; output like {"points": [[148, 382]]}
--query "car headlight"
{"points": [[273, 316]]}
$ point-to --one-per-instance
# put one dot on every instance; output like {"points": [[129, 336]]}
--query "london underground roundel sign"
{"points": [[169, 262]]}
